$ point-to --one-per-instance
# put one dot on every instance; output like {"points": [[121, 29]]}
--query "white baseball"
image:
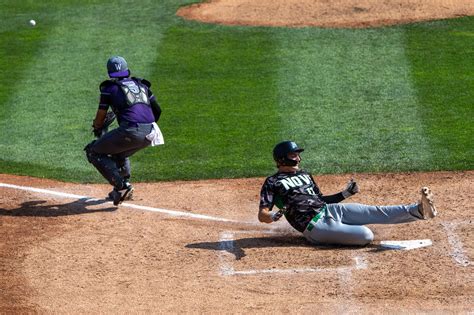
{"points": [[32, 22]]}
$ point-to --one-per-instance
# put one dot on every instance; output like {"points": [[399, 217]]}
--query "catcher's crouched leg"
{"points": [[105, 165], [124, 168], [123, 165]]}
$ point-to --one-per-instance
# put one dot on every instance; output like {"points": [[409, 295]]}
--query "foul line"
{"points": [[128, 205]]}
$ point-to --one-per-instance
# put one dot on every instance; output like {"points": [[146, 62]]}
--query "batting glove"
{"points": [[351, 189], [277, 215]]}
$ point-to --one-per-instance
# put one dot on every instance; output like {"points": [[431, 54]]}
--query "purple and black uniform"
{"points": [[136, 110], [144, 111], [322, 219]]}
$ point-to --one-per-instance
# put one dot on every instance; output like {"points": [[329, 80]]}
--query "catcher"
{"points": [[137, 111], [322, 218]]}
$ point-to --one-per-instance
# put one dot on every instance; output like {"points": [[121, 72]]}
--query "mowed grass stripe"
{"points": [[349, 99], [363, 100], [19, 45], [216, 87], [441, 57], [58, 97]]}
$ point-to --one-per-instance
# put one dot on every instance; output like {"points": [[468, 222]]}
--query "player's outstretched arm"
{"points": [[266, 216]]}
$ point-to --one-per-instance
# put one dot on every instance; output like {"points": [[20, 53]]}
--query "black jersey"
{"points": [[298, 193]]}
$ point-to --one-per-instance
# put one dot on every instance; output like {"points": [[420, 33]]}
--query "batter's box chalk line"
{"points": [[457, 249], [227, 246]]}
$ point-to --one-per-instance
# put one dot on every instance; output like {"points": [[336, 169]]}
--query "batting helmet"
{"points": [[117, 67], [281, 150]]}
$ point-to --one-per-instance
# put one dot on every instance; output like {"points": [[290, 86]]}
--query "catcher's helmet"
{"points": [[281, 150], [117, 67]]}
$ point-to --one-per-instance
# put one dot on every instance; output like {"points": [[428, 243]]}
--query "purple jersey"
{"points": [[297, 192], [112, 95]]}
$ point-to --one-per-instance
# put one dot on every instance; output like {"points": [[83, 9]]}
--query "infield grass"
{"points": [[442, 69], [375, 100], [356, 106]]}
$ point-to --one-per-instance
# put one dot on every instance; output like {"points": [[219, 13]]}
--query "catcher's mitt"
{"points": [[109, 119]]}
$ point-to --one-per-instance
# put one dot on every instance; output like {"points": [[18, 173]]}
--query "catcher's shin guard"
{"points": [[105, 165], [123, 165]]}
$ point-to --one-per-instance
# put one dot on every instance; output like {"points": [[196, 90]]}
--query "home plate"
{"points": [[405, 245]]}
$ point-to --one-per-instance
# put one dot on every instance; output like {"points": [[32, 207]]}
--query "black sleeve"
{"points": [[105, 101], [330, 198], [333, 198], [155, 107], [266, 194]]}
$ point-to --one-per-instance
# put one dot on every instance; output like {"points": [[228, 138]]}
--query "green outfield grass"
{"points": [[375, 100]]}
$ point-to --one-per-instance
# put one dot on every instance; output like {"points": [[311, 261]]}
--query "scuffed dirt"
{"points": [[69, 255]]}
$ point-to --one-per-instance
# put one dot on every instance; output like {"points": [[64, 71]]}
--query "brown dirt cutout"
{"points": [[325, 13]]}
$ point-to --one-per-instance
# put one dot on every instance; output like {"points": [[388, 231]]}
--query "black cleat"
{"points": [[128, 197], [118, 196]]}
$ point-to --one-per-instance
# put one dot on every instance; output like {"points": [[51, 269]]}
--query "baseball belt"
{"points": [[315, 219]]}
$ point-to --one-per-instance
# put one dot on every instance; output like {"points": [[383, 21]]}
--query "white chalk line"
{"points": [[227, 245], [174, 213], [457, 250]]}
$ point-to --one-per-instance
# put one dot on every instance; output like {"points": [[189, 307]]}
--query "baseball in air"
{"points": [[32, 22]]}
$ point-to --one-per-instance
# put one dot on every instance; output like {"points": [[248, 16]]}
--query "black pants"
{"points": [[111, 152]]}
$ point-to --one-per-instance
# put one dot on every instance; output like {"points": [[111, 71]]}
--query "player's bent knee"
{"points": [[91, 155], [367, 236]]}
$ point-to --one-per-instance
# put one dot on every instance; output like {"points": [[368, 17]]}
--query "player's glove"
{"points": [[351, 189], [109, 119]]}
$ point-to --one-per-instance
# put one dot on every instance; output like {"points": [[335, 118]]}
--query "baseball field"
{"points": [[378, 91]]}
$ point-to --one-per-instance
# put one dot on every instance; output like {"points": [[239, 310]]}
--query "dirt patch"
{"points": [[325, 13], [65, 254]]}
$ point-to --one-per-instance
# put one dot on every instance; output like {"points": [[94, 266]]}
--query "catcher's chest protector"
{"points": [[134, 92]]}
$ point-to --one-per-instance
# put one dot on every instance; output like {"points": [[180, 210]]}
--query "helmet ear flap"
{"points": [[280, 162], [289, 162], [281, 151]]}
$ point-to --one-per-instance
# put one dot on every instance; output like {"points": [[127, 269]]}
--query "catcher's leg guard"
{"points": [[123, 165], [105, 165]]}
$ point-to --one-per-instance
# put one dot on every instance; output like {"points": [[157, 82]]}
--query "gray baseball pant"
{"points": [[111, 151], [343, 223]]}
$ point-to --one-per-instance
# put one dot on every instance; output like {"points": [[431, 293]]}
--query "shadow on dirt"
{"points": [[39, 208], [236, 247]]}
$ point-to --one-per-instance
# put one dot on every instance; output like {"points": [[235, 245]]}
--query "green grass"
{"points": [[375, 100], [442, 69], [350, 100], [218, 97]]}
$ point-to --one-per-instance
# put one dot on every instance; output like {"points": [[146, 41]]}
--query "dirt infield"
{"points": [[325, 13], [64, 254], [196, 246]]}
